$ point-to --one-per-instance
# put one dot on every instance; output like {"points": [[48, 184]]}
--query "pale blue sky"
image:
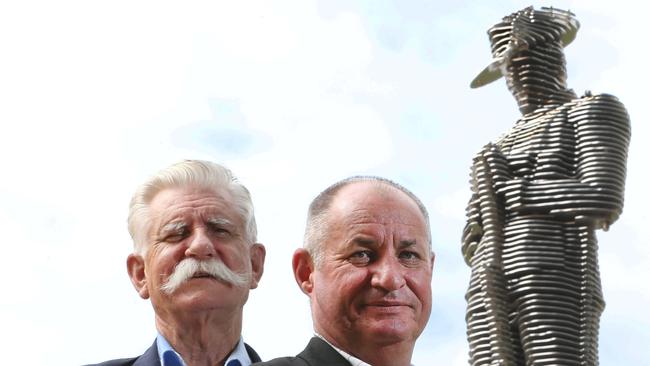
{"points": [[292, 95]]}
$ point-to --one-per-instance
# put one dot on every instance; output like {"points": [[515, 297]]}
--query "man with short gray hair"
{"points": [[366, 266], [196, 257]]}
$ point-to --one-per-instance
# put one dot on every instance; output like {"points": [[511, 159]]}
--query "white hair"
{"points": [[317, 216], [189, 173], [189, 267]]}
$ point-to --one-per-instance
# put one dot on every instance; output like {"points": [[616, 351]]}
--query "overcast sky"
{"points": [[95, 96]]}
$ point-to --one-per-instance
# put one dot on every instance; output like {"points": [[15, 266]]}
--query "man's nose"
{"points": [[200, 246], [388, 274]]}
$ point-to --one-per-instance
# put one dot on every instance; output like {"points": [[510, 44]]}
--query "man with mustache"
{"points": [[366, 267], [196, 257]]}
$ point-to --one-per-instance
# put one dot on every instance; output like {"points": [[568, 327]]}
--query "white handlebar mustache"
{"points": [[190, 267]]}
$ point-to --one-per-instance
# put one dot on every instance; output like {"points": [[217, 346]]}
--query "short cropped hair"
{"points": [[189, 173], [317, 216]]}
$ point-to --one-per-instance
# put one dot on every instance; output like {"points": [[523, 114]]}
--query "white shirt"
{"points": [[348, 357]]}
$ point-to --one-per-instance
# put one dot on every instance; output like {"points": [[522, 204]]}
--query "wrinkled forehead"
{"points": [[179, 203]]}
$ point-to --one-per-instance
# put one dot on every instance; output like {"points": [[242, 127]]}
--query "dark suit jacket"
{"points": [[150, 358], [317, 353]]}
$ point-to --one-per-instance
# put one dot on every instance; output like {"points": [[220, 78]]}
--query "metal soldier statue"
{"points": [[539, 193]]}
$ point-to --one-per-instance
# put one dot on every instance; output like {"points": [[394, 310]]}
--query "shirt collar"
{"points": [[351, 359], [348, 357], [169, 357], [240, 354]]}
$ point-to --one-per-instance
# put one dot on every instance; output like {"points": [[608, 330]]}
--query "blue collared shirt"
{"points": [[169, 357]]}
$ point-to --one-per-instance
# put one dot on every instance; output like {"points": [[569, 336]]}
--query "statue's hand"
{"points": [[512, 194]]}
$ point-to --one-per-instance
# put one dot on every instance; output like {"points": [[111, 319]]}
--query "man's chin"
{"points": [[391, 330]]}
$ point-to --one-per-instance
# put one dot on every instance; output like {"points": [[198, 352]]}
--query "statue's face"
{"points": [[537, 71], [544, 62]]}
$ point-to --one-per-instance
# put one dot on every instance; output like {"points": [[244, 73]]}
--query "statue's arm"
{"points": [[489, 171], [473, 231], [595, 193]]}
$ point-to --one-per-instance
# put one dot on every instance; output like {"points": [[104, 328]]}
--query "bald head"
{"points": [[320, 210]]}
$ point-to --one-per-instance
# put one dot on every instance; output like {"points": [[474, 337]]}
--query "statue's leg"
{"points": [[591, 295], [543, 276]]}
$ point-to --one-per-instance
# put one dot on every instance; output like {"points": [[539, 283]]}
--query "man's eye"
{"points": [[409, 256], [361, 257], [175, 237], [221, 231]]}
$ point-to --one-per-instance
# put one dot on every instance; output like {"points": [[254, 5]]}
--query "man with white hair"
{"points": [[196, 258]]}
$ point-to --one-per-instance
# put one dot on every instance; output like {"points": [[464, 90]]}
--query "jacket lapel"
{"points": [[318, 352], [149, 358], [252, 354]]}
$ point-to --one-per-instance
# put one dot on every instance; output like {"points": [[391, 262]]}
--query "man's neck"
{"points": [[201, 340], [391, 354], [385, 355]]}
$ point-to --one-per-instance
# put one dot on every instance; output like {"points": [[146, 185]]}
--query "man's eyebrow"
{"points": [[403, 244], [219, 221], [173, 226], [365, 242]]}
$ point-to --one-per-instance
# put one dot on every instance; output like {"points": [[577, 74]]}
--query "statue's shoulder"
{"points": [[601, 111], [596, 100]]}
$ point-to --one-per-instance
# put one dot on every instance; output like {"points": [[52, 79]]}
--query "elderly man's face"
{"points": [[199, 224], [373, 285]]}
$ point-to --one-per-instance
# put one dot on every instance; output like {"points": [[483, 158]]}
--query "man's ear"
{"points": [[135, 267], [258, 254], [433, 258], [303, 270]]}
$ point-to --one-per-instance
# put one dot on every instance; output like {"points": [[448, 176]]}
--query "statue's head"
{"points": [[522, 32]]}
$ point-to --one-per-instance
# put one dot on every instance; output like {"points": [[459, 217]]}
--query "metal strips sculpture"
{"points": [[539, 193]]}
